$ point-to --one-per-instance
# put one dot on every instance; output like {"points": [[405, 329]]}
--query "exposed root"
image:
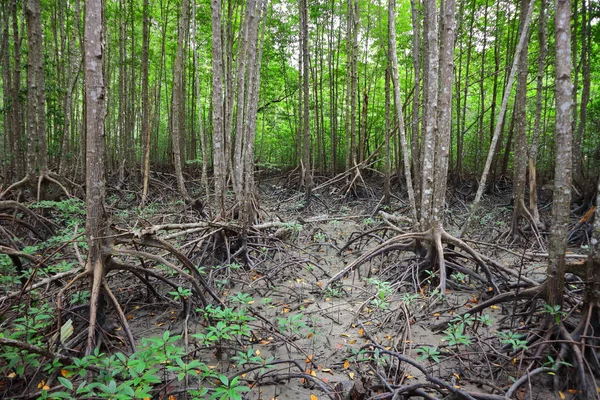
{"points": [[407, 241]]}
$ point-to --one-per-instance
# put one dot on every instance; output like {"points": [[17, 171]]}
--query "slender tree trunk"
{"points": [[398, 106], [219, 160], [563, 143], [146, 126], [201, 133], [178, 103], [543, 40], [430, 111], [416, 105], [387, 155], [36, 92], [95, 154], [500, 119], [306, 165], [520, 130]]}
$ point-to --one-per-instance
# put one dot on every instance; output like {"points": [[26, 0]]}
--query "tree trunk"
{"points": [[500, 119], [430, 111], [563, 144], [95, 178], [219, 160], [416, 54], [306, 165], [36, 93], [520, 130], [398, 105], [178, 104], [543, 40], [146, 126]]}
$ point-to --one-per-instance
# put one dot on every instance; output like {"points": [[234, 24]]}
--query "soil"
{"points": [[330, 331]]}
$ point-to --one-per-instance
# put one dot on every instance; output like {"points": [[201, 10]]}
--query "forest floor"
{"points": [[342, 340]]}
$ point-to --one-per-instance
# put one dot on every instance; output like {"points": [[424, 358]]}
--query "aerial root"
{"points": [[436, 237]]}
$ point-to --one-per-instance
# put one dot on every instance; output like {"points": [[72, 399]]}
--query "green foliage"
{"points": [[514, 339], [181, 293], [292, 323], [455, 335], [428, 353], [555, 312]]}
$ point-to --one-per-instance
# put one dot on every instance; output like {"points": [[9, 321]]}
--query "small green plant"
{"points": [[320, 237], [181, 293], [554, 311], [80, 297], [292, 324], [428, 353], [409, 298], [229, 389], [334, 291], [241, 298], [514, 339], [455, 335], [485, 320], [466, 319], [369, 221], [430, 276], [459, 277]]}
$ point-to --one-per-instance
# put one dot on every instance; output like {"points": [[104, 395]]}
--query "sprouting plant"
{"points": [[229, 389], [409, 298], [241, 298], [247, 357], [431, 275], [320, 237], [514, 339], [293, 323], [459, 277], [485, 320], [554, 311], [368, 221], [428, 352], [234, 266], [455, 335], [181, 293], [80, 297], [334, 291], [466, 319]]}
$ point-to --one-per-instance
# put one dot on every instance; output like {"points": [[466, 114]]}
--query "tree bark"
{"points": [[520, 130], [398, 105], [563, 147], [533, 150], [306, 160], [178, 104], [95, 155], [219, 160]]}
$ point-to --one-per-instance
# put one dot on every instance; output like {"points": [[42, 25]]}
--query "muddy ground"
{"points": [[341, 340]]}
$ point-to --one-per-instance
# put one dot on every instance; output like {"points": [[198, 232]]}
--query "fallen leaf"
{"points": [[309, 335], [352, 341], [346, 364], [64, 373], [561, 395], [361, 331], [351, 375], [313, 397], [309, 358], [320, 284]]}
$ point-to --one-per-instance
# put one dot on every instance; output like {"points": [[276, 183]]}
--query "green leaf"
{"points": [[65, 382]]}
